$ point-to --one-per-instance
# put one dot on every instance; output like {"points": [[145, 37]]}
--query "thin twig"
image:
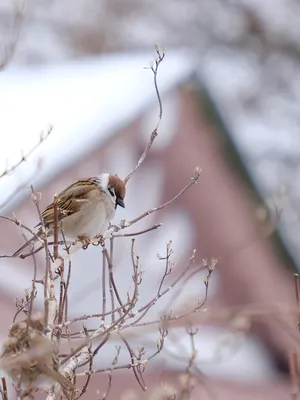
{"points": [[55, 227], [85, 317], [112, 298], [95, 352], [118, 367], [187, 387], [156, 226], [33, 287], [61, 295], [109, 372], [103, 286], [161, 341], [297, 293], [106, 332], [23, 307], [49, 291], [192, 182], [4, 388], [111, 276], [168, 267], [67, 285], [153, 301], [18, 223], [160, 57], [43, 137], [136, 372], [12, 195], [109, 384], [85, 386], [179, 287]]}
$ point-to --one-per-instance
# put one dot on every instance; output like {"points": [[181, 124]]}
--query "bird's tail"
{"points": [[30, 243]]}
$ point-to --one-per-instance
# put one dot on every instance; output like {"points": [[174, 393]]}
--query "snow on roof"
{"points": [[266, 136], [80, 100], [85, 101]]}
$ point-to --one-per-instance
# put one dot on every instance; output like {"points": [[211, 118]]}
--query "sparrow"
{"points": [[27, 354], [84, 209]]}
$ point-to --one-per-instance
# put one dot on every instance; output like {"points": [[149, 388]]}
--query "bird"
{"points": [[84, 209], [30, 357]]}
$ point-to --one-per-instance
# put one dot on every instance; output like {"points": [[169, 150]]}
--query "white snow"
{"points": [[84, 101]]}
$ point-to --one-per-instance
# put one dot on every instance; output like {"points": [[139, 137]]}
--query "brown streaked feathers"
{"points": [[86, 207], [69, 201], [41, 361]]}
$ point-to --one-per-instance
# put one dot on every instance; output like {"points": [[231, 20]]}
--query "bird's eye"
{"points": [[111, 191]]}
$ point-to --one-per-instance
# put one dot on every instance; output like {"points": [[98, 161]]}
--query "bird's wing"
{"points": [[69, 201]]}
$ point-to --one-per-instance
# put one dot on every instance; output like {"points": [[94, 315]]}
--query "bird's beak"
{"points": [[120, 202]]}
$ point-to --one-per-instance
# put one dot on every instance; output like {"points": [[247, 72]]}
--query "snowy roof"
{"points": [[85, 101], [264, 131], [80, 100]]}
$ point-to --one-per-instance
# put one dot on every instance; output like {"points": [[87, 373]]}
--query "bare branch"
{"points": [[192, 182], [156, 226], [112, 298], [50, 303], [154, 68], [116, 322], [103, 286], [4, 389], [135, 369], [55, 228], [43, 137]]}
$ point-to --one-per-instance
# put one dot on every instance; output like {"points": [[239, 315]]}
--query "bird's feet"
{"points": [[85, 240], [100, 240]]}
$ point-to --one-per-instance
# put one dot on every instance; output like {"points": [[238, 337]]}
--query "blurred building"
{"points": [[103, 111], [217, 216]]}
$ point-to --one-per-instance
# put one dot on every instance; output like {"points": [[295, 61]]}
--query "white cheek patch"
{"points": [[104, 180]]}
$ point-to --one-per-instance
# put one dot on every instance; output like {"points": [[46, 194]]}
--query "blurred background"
{"points": [[230, 89]]}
